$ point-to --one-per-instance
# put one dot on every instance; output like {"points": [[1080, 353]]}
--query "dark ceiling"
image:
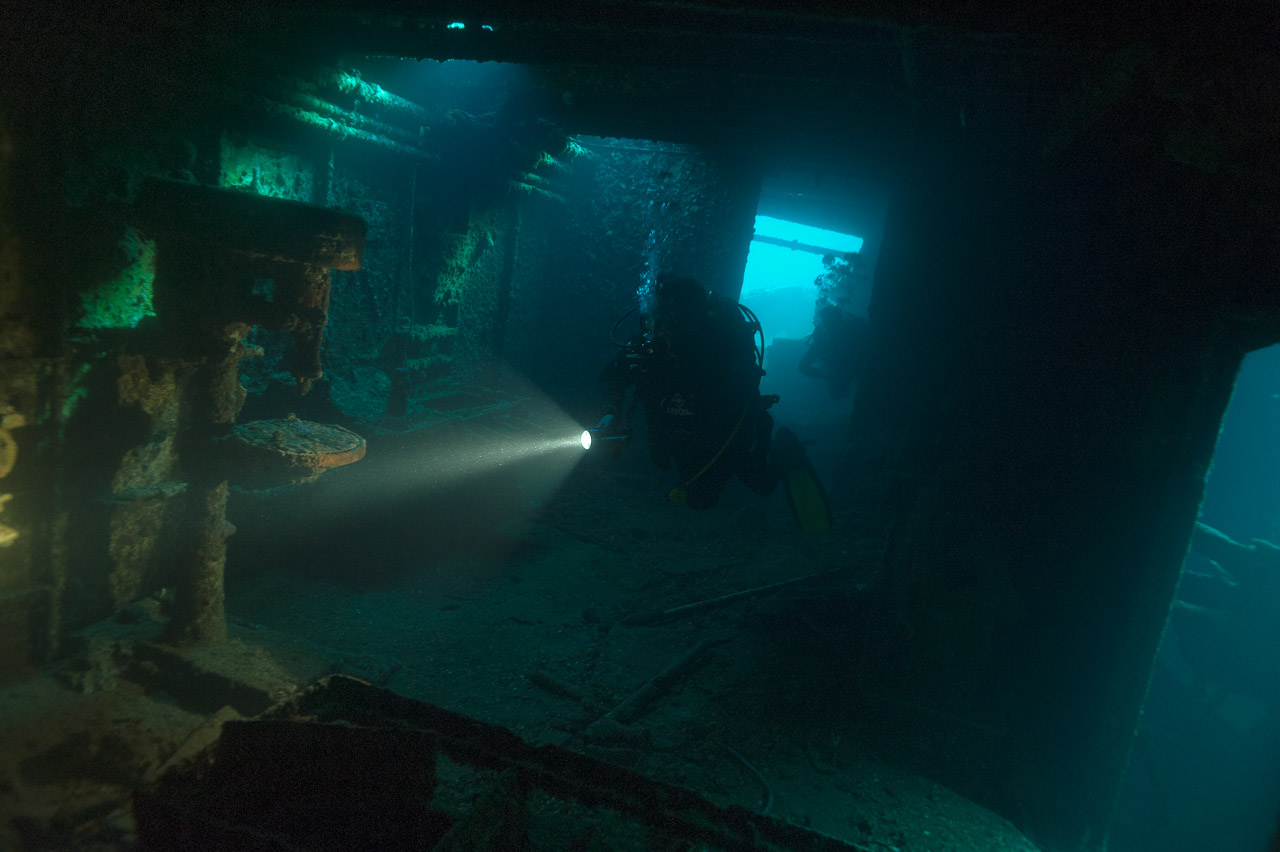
{"points": [[856, 85], [782, 80]]}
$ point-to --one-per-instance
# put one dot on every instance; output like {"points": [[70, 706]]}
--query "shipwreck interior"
{"points": [[302, 313]]}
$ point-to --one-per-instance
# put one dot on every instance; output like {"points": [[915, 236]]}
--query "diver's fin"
{"points": [[808, 499], [805, 493]]}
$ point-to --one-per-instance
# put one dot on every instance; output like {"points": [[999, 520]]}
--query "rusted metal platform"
{"points": [[290, 450]]}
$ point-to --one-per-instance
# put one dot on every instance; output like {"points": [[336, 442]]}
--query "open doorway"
{"points": [[815, 243], [784, 264]]}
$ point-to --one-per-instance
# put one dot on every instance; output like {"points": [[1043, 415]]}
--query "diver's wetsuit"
{"points": [[698, 384]]}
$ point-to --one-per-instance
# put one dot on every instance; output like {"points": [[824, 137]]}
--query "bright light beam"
{"points": [[449, 456], [526, 441]]}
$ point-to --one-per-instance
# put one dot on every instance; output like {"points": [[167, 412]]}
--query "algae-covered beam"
{"points": [[350, 84], [298, 93], [337, 127]]}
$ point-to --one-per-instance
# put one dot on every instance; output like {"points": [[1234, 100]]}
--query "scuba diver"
{"points": [[837, 349], [696, 368]]}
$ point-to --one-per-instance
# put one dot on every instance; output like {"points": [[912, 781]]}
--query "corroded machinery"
{"points": [[212, 245]]}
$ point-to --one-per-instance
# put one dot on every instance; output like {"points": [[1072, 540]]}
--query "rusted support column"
{"points": [[199, 614], [225, 393], [303, 293]]}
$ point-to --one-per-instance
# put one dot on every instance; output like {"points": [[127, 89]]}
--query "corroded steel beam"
{"points": [[254, 226]]}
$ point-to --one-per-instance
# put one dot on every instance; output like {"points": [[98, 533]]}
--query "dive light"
{"points": [[603, 431]]}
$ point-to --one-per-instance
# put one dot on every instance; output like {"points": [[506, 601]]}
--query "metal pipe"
{"points": [[796, 245]]}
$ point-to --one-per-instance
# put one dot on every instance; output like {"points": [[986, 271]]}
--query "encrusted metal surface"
{"points": [[291, 450]]}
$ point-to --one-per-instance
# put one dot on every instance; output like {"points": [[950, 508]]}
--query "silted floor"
{"points": [[507, 599], [477, 560]]}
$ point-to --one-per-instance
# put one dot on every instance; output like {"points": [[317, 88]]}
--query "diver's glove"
{"points": [[607, 433]]}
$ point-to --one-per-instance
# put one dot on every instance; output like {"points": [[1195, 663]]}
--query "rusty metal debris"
{"points": [[348, 765], [664, 616]]}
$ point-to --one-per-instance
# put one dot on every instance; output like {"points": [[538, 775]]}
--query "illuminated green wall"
{"points": [[125, 300]]}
